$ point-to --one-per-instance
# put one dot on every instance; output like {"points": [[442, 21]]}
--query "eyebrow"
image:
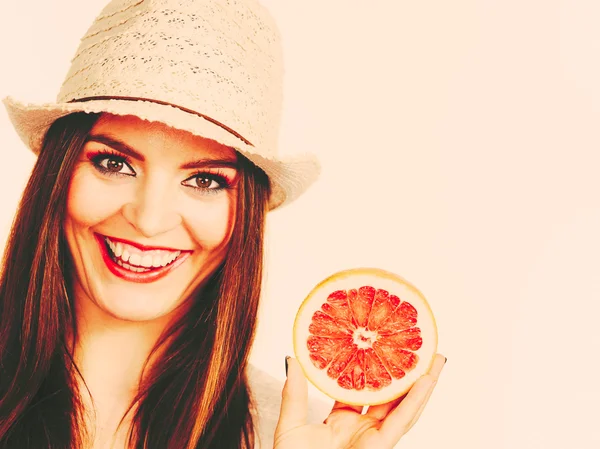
{"points": [[200, 163], [117, 145], [126, 149]]}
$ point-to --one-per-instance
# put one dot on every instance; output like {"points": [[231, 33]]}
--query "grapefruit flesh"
{"points": [[364, 336]]}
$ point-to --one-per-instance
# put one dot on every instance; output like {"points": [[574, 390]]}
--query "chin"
{"points": [[137, 310], [109, 299]]}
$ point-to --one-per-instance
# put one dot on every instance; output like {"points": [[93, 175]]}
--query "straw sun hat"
{"points": [[209, 67]]}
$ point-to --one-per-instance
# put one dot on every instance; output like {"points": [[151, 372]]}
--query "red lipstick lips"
{"points": [[152, 275], [139, 245]]}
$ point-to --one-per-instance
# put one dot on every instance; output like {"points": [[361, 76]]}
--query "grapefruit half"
{"points": [[364, 336]]}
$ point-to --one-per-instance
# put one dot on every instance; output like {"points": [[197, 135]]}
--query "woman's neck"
{"points": [[112, 355]]}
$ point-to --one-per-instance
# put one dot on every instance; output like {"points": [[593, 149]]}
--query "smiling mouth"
{"points": [[138, 263], [136, 260]]}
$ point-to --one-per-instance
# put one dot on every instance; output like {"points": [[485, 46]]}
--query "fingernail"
{"points": [[287, 357], [445, 360]]}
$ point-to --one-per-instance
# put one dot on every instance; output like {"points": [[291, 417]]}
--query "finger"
{"points": [[437, 366], [294, 400], [436, 370], [399, 420], [382, 410], [421, 408], [341, 406]]}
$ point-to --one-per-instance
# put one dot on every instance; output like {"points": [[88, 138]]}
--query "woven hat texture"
{"points": [[210, 67]]}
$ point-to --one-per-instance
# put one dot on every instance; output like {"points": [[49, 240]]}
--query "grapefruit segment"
{"points": [[403, 317], [323, 349], [353, 377], [406, 339], [383, 306], [397, 361], [364, 336], [324, 325], [360, 304], [337, 307], [376, 373], [341, 360]]}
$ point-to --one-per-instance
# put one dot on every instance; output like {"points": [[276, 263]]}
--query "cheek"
{"points": [[90, 200], [211, 223]]}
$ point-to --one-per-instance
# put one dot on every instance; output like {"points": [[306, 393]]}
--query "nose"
{"points": [[152, 211]]}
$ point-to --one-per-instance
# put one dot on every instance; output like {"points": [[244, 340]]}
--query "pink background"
{"points": [[460, 149]]}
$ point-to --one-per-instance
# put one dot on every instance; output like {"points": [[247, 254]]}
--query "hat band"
{"points": [[181, 108]]}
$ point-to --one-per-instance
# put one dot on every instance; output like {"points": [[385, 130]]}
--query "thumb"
{"points": [[294, 400]]}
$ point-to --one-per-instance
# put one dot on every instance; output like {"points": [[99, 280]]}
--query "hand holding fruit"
{"points": [[381, 427], [365, 337]]}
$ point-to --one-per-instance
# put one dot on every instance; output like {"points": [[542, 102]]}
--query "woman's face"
{"points": [[149, 216]]}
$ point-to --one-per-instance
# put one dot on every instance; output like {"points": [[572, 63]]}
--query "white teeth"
{"points": [[135, 259], [172, 257], [157, 260], [129, 267], [166, 259], [140, 260]]}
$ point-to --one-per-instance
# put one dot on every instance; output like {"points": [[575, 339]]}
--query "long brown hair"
{"points": [[195, 396]]}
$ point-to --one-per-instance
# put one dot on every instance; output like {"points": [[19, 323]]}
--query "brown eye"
{"points": [[206, 183], [114, 165]]}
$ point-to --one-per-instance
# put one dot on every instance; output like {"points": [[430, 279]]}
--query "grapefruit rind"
{"points": [[357, 278]]}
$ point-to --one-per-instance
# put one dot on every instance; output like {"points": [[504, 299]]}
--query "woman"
{"points": [[131, 278]]}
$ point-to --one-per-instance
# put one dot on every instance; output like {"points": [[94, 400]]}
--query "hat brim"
{"points": [[289, 176]]}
